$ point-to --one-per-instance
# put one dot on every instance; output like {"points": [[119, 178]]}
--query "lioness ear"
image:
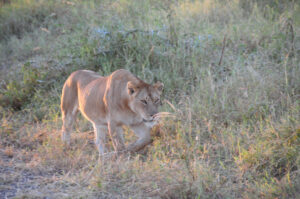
{"points": [[159, 86], [131, 88]]}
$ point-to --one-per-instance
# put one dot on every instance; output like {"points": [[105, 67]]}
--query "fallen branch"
{"points": [[164, 114]]}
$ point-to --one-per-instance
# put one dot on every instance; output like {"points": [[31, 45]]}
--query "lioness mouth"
{"points": [[147, 120], [159, 115]]}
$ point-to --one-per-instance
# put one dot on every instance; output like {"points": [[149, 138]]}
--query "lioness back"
{"points": [[75, 82]]}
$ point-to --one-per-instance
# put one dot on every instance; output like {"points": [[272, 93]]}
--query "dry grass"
{"points": [[229, 127]]}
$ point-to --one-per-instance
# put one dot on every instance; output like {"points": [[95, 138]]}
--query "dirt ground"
{"points": [[17, 181]]}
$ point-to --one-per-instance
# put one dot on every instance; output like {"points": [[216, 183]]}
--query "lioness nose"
{"points": [[152, 114]]}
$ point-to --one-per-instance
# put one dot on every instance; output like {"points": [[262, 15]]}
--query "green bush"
{"points": [[17, 94]]}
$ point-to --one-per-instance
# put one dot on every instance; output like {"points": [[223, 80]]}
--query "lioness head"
{"points": [[145, 99]]}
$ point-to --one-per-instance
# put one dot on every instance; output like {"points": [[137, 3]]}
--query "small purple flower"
{"points": [[101, 31], [151, 32]]}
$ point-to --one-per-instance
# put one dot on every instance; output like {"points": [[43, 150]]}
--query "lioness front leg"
{"points": [[100, 137], [116, 135], [143, 132]]}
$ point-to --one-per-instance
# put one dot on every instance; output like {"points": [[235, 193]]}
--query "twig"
{"points": [[290, 23], [223, 48], [164, 114], [171, 105]]}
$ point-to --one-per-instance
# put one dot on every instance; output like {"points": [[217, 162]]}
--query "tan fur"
{"points": [[108, 103]]}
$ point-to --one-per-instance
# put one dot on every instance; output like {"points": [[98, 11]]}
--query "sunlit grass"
{"points": [[236, 131]]}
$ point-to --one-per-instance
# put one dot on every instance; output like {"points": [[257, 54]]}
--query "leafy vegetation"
{"points": [[232, 78]]}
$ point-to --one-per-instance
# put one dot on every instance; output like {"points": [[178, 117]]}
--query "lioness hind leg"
{"points": [[68, 121], [69, 109], [68, 117], [100, 138]]}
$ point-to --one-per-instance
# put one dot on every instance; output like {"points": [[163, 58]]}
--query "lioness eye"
{"points": [[156, 101], [144, 101]]}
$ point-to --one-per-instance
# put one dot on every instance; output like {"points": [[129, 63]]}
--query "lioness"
{"points": [[108, 103]]}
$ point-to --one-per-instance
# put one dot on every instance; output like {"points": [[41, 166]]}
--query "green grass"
{"points": [[236, 133]]}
